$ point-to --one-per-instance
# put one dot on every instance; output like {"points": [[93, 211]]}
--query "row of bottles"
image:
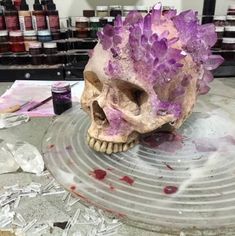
{"points": [[44, 16]]}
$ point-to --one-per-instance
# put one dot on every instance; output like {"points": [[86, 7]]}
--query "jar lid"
{"points": [[230, 17], [35, 45], [44, 32], [102, 8], [60, 87], [220, 18], [230, 28], [232, 7], [50, 45], [17, 33], [141, 8], [109, 18], [3, 33], [129, 8], [115, 7], [30, 33], [82, 19], [219, 29], [94, 19], [228, 40]]}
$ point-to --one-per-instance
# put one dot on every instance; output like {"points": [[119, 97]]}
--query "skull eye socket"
{"points": [[131, 97]]}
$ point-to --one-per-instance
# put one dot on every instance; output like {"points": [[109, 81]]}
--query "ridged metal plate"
{"points": [[203, 177]]}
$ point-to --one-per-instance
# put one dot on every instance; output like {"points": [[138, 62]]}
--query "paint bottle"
{"points": [[61, 96], [44, 4], [2, 20], [25, 17], [11, 16], [53, 21], [39, 16], [17, 4]]}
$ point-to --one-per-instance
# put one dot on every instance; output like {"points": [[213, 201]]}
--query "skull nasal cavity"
{"points": [[98, 113]]}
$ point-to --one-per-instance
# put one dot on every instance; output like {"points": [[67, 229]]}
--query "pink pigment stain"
{"points": [[51, 146], [170, 190], [128, 180], [73, 187], [99, 174], [111, 187], [165, 141]]}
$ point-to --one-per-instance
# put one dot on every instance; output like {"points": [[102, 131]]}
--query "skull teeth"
{"points": [[109, 147]]}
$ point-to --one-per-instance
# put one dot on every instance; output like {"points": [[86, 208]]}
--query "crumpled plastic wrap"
{"points": [[15, 154], [10, 120]]}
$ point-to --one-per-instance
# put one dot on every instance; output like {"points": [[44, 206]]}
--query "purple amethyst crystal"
{"points": [[159, 58]]}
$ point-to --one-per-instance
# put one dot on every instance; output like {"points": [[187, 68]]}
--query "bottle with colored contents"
{"points": [[53, 21], [11, 16], [17, 4], [44, 4], [61, 97], [39, 16], [25, 17], [2, 20]]}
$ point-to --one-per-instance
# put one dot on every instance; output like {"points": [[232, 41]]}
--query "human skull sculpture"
{"points": [[144, 73]]}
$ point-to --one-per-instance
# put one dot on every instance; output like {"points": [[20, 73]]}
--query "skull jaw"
{"points": [[100, 141]]}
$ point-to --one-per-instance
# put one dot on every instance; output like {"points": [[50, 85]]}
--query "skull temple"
{"points": [[145, 73]]}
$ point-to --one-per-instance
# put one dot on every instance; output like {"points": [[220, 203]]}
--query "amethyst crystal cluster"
{"points": [[158, 57]]}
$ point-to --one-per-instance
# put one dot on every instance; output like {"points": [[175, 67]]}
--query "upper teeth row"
{"points": [[108, 147]]}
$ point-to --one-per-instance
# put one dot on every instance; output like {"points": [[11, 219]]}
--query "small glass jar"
{"points": [[230, 21], [219, 20], [4, 36], [231, 9], [142, 9], [115, 10], [35, 50], [4, 42], [103, 22], [102, 11], [229, 32], [16, 42], [61, 97], [29, 36], [94, 26], [228, 44], [88, 13], [110, 19], [82, 26], [16, 36], [44, 36], [220, 34], [50, 49]]}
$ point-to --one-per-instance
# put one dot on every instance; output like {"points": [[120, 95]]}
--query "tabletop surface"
{"points": [[52, 208]]}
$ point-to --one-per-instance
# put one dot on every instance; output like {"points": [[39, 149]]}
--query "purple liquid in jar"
{"points": [[61, 96]]}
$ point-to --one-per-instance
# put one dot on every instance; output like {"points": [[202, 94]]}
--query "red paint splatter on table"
{"points": [[51, 146], [128, 180], [170, 190], [72, 187], [109, 169], [165, 141], [69, 148], [169, 167], [99, 174], [111, 187]]}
